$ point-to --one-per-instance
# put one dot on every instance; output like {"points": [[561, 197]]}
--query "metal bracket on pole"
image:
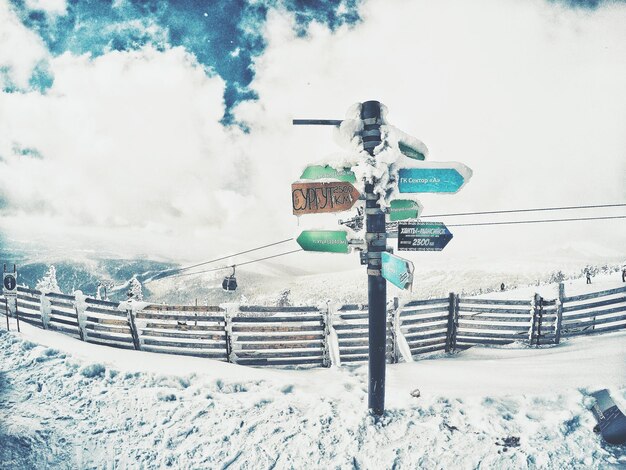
{"points": [[316, 122]]}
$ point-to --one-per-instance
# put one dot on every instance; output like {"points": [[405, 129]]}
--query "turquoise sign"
{"points": [[329, 241], [402, 209], [410, 152], [315, 172], [396, 270], [429, 180]]}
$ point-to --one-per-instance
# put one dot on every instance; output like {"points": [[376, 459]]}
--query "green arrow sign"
{"points": [[402, 209], [316, 172], [410, 152], [330, 241], [396, 270]]}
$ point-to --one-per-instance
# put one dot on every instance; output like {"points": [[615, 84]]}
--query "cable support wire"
{"points": [[235, 265], [449, 225], [540, 209], [176, 272], [539, 221]]}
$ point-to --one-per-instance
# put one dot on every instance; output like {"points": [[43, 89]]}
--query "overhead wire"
{"points": [[540, 209], [538, 221], [239, 264], [177, 271]]}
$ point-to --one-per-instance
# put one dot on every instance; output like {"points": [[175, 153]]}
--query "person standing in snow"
{"points": [[624, 274], [502, 286], [588, 274]]}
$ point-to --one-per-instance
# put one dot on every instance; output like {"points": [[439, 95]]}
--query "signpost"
{"points": [[317, 198], [402, 209], [411, 152], [9, 290], [10, 284], [339, 194], [398, 271], [430, 180], [423, 236], [316, 172], [329, 241]]}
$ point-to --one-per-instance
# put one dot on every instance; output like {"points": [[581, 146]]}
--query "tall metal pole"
{"points": [[376, 238]]}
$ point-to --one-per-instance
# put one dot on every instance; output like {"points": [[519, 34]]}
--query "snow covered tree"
{"points": [[48, 283], [283, 298], [134, 289], [592, 270], [556, 277]]}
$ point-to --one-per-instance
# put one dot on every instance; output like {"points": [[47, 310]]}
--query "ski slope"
{"points": [[69, 404]]}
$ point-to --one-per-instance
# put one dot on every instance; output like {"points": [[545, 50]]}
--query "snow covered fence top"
{"points": [[321, 335]]}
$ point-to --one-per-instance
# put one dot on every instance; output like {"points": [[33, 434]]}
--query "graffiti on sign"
{"points": [[317, 198]]}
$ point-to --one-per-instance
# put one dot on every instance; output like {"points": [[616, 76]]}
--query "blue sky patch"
{"points": [[225, 36]]}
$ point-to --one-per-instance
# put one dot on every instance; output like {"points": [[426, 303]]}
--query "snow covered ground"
{"points": [[69, 404]]}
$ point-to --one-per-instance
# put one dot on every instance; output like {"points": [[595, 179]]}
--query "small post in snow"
{"points": [[6, 311]]}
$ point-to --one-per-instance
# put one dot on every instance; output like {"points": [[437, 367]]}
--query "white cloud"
{"points": [[54, 7], [20, 50], [529, 95], [128, 140]]}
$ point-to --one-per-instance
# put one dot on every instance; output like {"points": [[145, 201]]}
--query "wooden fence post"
{"points": [[228, 334], [81, 317], [44, 310], [537, 313], [331, 344], [394, 328], [326, 325], [453, 322], [130, 315], [559, 313]]}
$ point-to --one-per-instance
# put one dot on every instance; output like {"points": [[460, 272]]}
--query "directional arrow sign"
{"points": [[396, 270], [408, 145], [411, 152], [316, 172], [317, 198], [402, 209], [423, 236], [331, 241], [445, 178]]}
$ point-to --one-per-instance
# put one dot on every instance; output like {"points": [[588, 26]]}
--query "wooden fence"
{"points": [[320, 336]]}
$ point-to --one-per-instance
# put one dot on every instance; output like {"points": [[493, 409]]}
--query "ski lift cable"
{"points": [[449, 225], [511, 211], [233, 266], [177, 271]]}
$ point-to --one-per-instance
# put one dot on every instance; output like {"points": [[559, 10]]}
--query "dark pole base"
{"points": [[377, 295]]}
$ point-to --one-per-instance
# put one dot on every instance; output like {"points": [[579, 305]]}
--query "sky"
{"points": [[163, 129]]}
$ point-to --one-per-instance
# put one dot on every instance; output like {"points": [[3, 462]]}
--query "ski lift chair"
{"points": [[229, 283]]}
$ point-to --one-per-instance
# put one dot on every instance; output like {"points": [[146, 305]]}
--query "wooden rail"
{"points": [[301, 336]]}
